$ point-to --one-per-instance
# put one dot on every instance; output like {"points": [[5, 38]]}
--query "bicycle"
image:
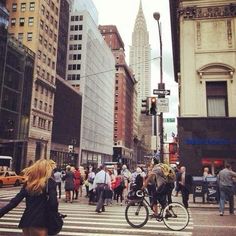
{"points": [[175, 216]]}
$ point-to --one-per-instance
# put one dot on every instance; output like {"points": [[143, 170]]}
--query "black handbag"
{"points": [[54, 218]]}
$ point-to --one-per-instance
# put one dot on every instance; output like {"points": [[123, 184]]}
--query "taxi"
{"points": [[10, 178]]}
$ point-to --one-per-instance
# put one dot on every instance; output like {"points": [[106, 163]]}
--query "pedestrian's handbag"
{"points": [[106, 189], [54, 218]]}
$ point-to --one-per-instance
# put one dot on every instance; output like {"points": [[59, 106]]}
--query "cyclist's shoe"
{"points": [[168, 214]]}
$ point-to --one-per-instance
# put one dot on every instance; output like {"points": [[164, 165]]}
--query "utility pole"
{"points": [[161, 86]]}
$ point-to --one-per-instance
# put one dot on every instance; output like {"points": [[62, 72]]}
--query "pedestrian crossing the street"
{"points": [[83, 220]]}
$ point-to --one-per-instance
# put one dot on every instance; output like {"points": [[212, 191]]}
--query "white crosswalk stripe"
{"points": [[83, 220]]}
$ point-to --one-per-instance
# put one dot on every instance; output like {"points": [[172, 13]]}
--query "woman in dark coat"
{"points": [[34, 218], [69, 184]]}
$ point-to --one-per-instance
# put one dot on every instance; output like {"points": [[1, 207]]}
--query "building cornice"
{"points": [[208, 12]]}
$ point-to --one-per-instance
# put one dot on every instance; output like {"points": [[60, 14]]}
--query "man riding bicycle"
{"points": [[159, 191]]}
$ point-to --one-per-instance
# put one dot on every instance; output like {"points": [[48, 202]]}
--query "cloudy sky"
{"points": [[123, 13]]}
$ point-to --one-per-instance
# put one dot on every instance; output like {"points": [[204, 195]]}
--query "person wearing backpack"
{"points": [[159, 194]]}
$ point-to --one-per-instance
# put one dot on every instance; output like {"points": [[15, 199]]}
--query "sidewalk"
{"points": [[199, 204]]}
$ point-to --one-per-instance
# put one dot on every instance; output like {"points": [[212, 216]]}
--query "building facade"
{"points": [[124, 98], [66, 128], [35, 24], [91, 70], [204, 49], [16, 76]]}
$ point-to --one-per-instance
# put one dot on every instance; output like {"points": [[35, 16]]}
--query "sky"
{"points": [[122, 13]]}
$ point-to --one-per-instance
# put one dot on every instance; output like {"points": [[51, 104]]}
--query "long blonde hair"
{"points": [[37, 175]]}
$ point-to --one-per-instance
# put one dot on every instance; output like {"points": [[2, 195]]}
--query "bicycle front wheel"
{"points": [[136, 214], [175, 216]]}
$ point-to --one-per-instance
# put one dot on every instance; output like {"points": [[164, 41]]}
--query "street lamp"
{"points": [[161, 85]]}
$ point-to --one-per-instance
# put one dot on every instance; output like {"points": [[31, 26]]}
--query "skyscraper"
{"points": [[140, 62]]}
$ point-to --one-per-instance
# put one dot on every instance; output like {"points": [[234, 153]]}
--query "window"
{"points": [[35, 102], [40, 105], [22, 21], [13, 21], [31, 21], [45, 43], [23, 7], [41, 24], [42, 9], [14, 6], [216, 93], [29, 36], [20, 37], [32, 6], [39, 54], [44, 58], [47, 14], [40, 39]]}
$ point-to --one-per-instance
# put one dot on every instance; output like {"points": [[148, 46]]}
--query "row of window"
{"points": [[39, 105], [76, 27], [44, 90], [20, 36], [76, 18], [75, 46], [76, 37], [47, 45], [73, 77], [22, 21], [46, 60], [52, 5], [74, 67], [48, 31], [45, 75], [74, 57], [41, 123], [23, 6]]}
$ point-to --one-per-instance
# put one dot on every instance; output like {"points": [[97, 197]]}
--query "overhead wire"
{"points": [[102, 72]]}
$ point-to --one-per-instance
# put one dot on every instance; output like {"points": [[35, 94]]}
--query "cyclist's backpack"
{"points": [[168, 172]]}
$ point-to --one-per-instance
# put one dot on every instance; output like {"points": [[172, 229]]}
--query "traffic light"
{"points": [[153, 106], [145, 106]]}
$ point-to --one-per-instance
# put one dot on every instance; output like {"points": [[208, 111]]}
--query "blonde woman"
{"points": [[38, 178]]}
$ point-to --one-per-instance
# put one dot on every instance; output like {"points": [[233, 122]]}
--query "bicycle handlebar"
{"points": [[142, 192]]}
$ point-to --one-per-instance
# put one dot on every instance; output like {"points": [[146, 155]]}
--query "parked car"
{"points": [[10, 178]]}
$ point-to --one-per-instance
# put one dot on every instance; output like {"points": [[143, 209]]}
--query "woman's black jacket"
{"points": [[35, 213]]}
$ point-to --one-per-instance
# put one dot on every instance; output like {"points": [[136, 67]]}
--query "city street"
{"points": [[82, 220]]}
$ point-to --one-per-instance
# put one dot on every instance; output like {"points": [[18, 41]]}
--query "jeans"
{"points": [[227, 193]]}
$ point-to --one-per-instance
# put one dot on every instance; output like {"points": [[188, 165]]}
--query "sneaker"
{"points": [[221, 213]]}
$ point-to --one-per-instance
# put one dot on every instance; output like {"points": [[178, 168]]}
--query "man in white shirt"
{"points": [[58, 179], [102, 181]]}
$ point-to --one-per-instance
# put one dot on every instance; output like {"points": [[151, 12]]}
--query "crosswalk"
{"points": [[82, 220]]}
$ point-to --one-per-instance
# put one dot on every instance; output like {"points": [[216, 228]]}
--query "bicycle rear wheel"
{"points": [[136, 214], [175, 216]]}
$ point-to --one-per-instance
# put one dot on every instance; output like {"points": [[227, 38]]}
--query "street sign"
{"points": [[169, 120], [161, 92], [163, 105]]}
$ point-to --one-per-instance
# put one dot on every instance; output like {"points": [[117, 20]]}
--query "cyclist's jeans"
{"points": [[160, 195], [226, 193]]}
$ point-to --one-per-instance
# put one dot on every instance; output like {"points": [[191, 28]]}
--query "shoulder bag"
{"points": [[54, 218]]}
